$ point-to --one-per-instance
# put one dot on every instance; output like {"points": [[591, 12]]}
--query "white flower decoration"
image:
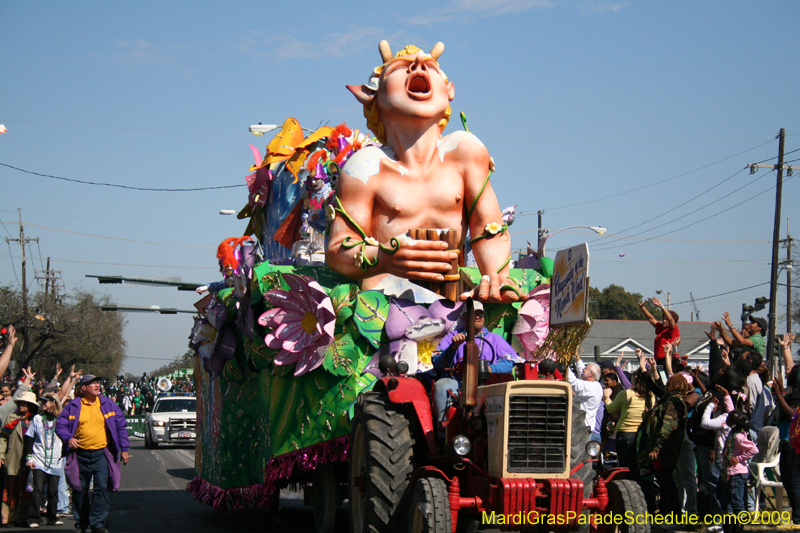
{"points": [[493, 228], [371, 241], [359, 259], [330, 212]]}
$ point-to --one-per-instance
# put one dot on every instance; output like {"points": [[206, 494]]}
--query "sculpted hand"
{"points": [[424, 260], [489, 290]]}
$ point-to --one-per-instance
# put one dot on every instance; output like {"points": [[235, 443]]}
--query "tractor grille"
{"points": [[537, 434]]}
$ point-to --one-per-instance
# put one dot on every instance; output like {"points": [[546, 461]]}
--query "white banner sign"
{"points": [[569, 290]]}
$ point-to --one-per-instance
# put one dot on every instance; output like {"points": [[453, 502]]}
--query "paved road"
{"points": [[152, 498]]}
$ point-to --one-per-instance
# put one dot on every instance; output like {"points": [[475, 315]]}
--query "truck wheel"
{"points": [[430, 507], [626, 495], [580, 436], [149, 442], [324, 499], [380, 465]]}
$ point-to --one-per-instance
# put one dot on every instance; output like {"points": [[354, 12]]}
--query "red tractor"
{"points": [[516, 455]]}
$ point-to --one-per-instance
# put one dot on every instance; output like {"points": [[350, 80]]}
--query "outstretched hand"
{"points": [[787, 340], [656, 302]]}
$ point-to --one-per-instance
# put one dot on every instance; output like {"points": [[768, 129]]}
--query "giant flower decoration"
{"points": [[301, 323], [533, 321], [414, 330]]}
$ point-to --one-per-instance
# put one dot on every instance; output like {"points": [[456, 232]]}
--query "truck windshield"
{"points": [[175, 406]]}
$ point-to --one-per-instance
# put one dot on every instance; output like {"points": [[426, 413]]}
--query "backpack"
{"points": [[794, 431], [698, 435]]}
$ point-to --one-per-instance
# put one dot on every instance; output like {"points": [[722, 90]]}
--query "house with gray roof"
{"points": [[608, 338]]}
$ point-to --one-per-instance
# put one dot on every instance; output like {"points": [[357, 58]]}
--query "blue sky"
{"points": [[599, 113]]}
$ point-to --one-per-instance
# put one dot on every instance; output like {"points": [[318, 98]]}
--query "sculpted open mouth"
{"points": [[419, 85]]}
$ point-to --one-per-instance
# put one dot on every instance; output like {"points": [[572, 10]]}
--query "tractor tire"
{"points": [[626, 495], [430, 507], [324, 499], [580, 436], [380, 465]]}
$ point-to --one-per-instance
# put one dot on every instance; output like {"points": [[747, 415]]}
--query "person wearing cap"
{"points": [[95, 437], [752, 335], [15, 497], [43, 456], [451, 351]]}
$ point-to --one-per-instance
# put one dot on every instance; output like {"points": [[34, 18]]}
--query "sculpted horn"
{"points": [[385, 50], [437, 50]]}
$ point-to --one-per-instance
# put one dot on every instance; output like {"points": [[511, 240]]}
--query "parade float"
{"points": [[360, 254]]}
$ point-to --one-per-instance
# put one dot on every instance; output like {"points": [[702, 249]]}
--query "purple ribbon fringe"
{"points": [[282, 467]]}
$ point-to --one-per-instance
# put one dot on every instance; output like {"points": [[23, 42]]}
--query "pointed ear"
{"points": [[363, 94], [451, 90]]}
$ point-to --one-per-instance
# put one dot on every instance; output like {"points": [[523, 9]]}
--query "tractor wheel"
{"points": [[626, 495], [430, 507], [381, 461], [580, 436], [323, 497]]}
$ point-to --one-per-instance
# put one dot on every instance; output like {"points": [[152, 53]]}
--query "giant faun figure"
{"points": [[418, 179]]}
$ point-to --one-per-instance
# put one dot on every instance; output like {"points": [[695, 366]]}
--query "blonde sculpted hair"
{"points": [[371, 112]]}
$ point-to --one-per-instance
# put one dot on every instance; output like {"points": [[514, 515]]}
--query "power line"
{"points": [[14, 268], [651, 184], [697, 222], [722, 294], [129, 264], [121, 128], [122, 186], [120, 238], [679, 206]]}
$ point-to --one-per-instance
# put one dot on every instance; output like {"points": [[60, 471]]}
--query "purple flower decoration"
{"points": [[412, 328], [302, 323]]}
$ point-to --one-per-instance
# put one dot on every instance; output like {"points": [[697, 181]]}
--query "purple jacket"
{"points": [[67, 426]]}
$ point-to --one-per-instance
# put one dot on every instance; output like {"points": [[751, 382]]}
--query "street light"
{"points": [[596, 229], [3, 128], [668, 298], [228, 211]]}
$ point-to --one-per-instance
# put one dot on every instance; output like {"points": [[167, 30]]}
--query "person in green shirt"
{"points": [[752, 335]]}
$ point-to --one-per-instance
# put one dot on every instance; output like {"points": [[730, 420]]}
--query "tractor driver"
{"points": [[447, 363]]}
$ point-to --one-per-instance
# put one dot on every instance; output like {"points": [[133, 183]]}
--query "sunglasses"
{"points": [[479, 314]]}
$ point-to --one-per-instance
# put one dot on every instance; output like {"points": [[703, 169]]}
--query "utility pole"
{"points": [[541, 231], [788, 265], [776, 237], [26, 345], [50, 278]]}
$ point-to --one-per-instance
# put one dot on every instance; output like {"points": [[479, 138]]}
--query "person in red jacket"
{"points": [[667, 332]]}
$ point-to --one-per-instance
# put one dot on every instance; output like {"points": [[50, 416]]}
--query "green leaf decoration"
{"points": [[500, 318], [372, 308], [232, 371], [342, 356], [343, 298]]}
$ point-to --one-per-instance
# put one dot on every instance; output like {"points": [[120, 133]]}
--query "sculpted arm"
{"points": [[493, 251]]}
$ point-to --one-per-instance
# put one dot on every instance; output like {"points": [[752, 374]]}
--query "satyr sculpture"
{"points": [[418, 179]]}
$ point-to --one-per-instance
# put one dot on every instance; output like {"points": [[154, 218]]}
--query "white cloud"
{"points": [[600, 8], [141, 51], [485, 8]]}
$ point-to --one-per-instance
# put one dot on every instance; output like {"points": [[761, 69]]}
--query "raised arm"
{"points": [[670, 321], [647, 314], [738, 339], [11, 340], [786, 342]]}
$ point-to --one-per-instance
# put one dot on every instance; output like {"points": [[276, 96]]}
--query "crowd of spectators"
{"points": [[688, 432]]}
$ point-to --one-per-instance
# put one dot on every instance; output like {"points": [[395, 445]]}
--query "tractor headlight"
{"points": [[461, 445], [593, 448], [158, 423]]}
